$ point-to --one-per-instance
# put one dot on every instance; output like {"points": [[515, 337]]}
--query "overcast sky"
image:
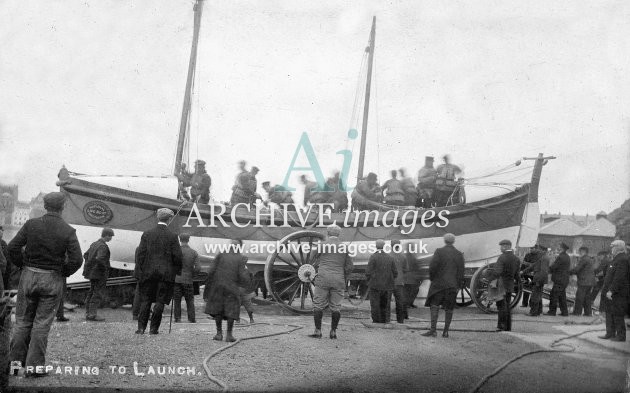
{"points": [[98, 86]]}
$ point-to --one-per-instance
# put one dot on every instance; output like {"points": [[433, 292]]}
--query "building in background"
{"points": [[21, 213], [595, 232], [13, 212]]}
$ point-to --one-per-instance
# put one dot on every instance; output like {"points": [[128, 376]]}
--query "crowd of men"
{"points": [[435, 187], [46, 250]]}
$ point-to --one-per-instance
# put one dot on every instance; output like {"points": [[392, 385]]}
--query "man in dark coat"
{"points": [[184, 281], [244, 189], [200, 183], [226, 274], [446, 272], [96, 269], [366, 193], [585, 272], [159, 260], [540, 272], [392, 190], [52, 253], [399, 283], [381, 273], [426, 183], [413, 278], [506, 269], [560, 278], [335, 265], [616, 289], [604, 263]]}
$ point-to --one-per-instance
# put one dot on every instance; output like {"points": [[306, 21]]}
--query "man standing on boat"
{"points": [[52, 252], [408, 188], [96, 269], [426, 183], [330, 281], [506, 269], [366, 191], [244, 189], [200, 183], [446, 273], [278, 195], [560, 277], [158, 261], [446, 181], [393, 190]]}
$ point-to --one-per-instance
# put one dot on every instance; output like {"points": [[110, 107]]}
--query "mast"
{"points": [[183, 125], [366, 108], [536, 174]]}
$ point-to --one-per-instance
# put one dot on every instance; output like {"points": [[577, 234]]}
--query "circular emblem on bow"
{"points": [[97, 212]]}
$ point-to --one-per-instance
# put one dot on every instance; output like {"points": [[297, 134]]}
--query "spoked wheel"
{"points": [[288, 271], [464, 296], [479, 292]]}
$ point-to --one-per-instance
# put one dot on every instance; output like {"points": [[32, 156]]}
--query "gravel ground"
{"points": [[364, 358]]}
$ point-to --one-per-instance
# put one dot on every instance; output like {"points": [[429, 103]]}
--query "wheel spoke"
{"points": [[287, 288], [293, 295], [284, 279], [294, 257], [301, 252], [303, 296], [287, 262], [310, 291]]}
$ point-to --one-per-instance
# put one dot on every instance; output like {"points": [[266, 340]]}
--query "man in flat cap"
{"points": [[446, 272], [381, 274], [560, 277], [426, 183], [506, 269], [200, 183], [616, 290], [158, 261], [52, 252], [540, 272], [96, 269], [335, 265]]}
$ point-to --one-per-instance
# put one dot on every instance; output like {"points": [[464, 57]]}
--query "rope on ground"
{"points": [[554, 344], [219, 382]]}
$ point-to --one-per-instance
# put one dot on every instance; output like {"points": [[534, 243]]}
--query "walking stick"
{"points": [[170, 320]]}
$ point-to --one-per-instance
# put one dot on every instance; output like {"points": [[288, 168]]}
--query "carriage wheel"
{"points": [[464, 296], [479, 291], [281, 271]]}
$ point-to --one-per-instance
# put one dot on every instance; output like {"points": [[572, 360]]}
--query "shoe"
{"points": [[62, 319], [618, 338], [153, 331], [218, 337], [177, 321], [445, 334], [413, 306], [139, 331], [524, 305], [606, 337], [333, 334], [229, 338], [192, 321], [95, 319], [316, 334], [430, 333], [529, 314], [550, 313], [564, 315], [251, 321]]}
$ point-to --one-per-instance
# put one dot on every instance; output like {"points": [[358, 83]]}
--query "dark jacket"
{"points": [[446, 270], [381, 271], [190, 265], [619, 285], [227, 273], [96, 261], [505, 268], [159, 255], [334, 267], [539, 267], [200, 186], [560, 269], [412, 274], [585, 271], [401, 267], [51, 244]]}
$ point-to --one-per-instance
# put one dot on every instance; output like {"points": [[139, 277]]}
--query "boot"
{"points": [[448, 316], [230, 325], [219, 336], [317, 317], [251, 316], [336, 316], [620, 328], [434, 317]]}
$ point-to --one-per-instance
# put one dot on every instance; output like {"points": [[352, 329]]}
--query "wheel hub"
{"points": [[306, 273]]}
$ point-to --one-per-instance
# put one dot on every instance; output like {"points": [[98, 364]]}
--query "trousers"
{"points": [[187, 291], [379, 299], [558, 297]]}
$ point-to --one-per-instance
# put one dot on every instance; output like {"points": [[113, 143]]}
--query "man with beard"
{"points": [[446, 273], [158, 260], [616, 289]]}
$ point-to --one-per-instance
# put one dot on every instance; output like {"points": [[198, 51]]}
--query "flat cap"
{"points": [[505, 242], [449, 238], [200, 162], [255, 168], [54, 200], [164, 213], [564, 246], [333, 230], [107, 232], [380, 243], [429, 158]]}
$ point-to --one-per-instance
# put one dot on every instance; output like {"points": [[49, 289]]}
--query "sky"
{"points": [[98, 86]]}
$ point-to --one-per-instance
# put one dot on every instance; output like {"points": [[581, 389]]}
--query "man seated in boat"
{"points": [[367, 193], [446, 181], [409, 188], [314, 194], [244, 189], [426, 183], [278, 195], [393, 190]]}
